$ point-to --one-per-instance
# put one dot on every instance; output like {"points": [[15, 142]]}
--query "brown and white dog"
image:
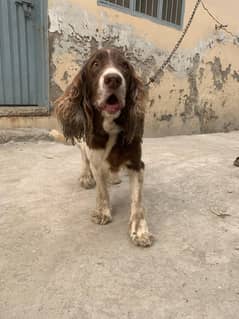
{"points": [[103, 109]]}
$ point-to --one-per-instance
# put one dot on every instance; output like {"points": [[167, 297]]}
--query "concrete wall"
{"points": [[199, 90]]}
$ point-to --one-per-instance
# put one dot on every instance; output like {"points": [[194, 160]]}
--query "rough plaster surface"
{"points": [[25, 134], [55, 263], [198, 91], [41, 122]]}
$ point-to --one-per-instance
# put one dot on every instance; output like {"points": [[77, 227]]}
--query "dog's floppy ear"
{"points": [[135, 99], [73, 109]]}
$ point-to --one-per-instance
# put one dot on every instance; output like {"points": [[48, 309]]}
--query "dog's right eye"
{"points": [[95, 64]]}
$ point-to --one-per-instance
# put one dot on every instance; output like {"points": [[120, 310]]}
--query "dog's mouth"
{"points": [[112, 104]]}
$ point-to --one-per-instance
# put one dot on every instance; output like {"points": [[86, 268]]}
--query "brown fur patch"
{"points": [[123, 153]]}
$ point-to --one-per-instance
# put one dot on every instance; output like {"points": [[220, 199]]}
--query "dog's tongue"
{"points": [[112, 108], [112, 104]]}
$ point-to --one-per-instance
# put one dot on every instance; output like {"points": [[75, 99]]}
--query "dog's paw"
{"points": [[139, 233], [143, 240], [101, 217], [87, 181]]}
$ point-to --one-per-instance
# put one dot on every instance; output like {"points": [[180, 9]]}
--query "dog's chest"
{"points": [[98, 156]]}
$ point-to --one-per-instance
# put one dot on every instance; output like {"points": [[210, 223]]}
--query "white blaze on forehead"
{"points": [[103, 91], [110, 70]]}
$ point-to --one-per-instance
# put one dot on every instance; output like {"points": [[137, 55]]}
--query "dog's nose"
{"points": [[112, 80]]}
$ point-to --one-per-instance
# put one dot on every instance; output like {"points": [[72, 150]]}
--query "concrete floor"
{"points": [[55, 263]]}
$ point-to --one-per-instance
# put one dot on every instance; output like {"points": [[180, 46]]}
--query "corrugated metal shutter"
{"points": [[23, 64]]}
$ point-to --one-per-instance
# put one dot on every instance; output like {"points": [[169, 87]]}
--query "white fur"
{"points": [[109, 70], [97, 158]]}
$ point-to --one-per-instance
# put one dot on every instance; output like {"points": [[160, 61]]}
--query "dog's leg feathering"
{"points": [[139, 232]]}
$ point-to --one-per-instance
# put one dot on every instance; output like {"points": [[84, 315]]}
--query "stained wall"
{"points": [[199, 90]]}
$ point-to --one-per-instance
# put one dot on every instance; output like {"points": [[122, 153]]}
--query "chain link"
{"points": [[166, 62]]}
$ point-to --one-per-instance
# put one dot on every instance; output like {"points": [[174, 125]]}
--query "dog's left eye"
{"points": [[125, 65]]}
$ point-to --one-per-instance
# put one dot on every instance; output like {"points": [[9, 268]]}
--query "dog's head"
{"points": [[107, 84]]}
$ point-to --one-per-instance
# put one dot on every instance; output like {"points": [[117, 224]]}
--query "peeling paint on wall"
{"points": [[219, 75], [198, 91]]}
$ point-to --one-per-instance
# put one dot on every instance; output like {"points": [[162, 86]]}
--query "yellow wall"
{"points": [[199, 91]]}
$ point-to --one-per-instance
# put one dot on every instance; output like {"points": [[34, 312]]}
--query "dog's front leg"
{"points": [[102, 213], [139, 232], [86, 178]]}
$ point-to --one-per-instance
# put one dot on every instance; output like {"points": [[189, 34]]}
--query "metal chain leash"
{"points": [[219, 25], [166, 62]]}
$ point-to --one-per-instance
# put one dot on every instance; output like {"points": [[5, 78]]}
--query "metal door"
{"points": [[23, 52]]}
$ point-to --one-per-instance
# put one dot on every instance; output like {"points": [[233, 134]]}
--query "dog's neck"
{"points": [[109, 124]]}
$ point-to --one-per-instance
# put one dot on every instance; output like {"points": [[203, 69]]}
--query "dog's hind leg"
{"points": [[114, 178]]}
